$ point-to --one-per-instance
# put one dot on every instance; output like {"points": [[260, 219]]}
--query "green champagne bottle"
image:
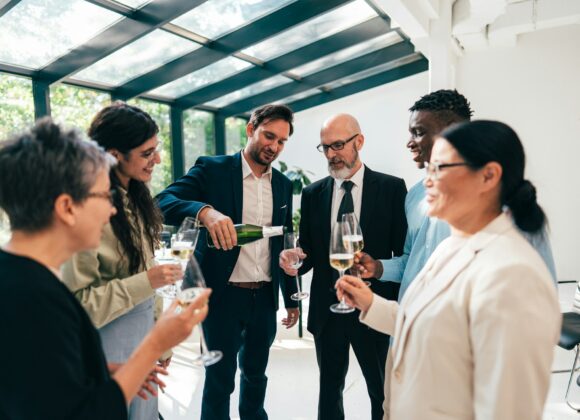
{"points": [[250, 233]]}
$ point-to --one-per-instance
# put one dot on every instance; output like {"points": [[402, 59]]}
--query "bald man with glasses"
{"points": [[378, 201]]}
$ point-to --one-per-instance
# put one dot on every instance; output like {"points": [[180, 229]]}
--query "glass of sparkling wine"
{"points": [[182, 247], [356, 238], [341, 259], [291, 244], [193, 285]]}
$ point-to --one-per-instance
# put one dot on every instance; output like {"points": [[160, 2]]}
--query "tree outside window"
{"points": [[235, 134], [198, 136], [73, 106], [16, 104]]}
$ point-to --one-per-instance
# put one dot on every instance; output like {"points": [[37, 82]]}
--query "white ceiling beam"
{"points": [[526, 17]]}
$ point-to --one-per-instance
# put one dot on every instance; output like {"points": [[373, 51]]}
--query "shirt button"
{"points": [[398, 376]]}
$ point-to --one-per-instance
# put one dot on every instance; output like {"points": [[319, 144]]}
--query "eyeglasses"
{"points": [[150, 154], [337, 145], [106, 195], [434, 168]]}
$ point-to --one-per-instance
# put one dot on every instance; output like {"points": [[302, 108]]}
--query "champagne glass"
{"points": [[291, 244], [356, 238], [341, 259], [182, 247], [193, 285]]}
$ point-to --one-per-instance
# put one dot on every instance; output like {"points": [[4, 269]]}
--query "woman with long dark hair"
{"points": [[116, 283], [474, 336], [55, 190]]}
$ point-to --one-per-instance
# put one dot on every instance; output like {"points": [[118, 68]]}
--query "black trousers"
{"points": [[332, 351], [242, 324]]}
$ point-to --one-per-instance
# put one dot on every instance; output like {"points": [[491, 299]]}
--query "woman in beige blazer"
{"points": [[116, 283], [474, 335]]}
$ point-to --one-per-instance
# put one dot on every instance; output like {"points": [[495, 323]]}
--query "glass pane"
{"points": [[74, 106], [235, 134], [135, 4], [162, 174], [315, 29], [16, 105], [198, 136], [298, 96], [251, 90], [35, 32], [215, 18], [137, 58], [202, 77], [373, 71], [347, 54]]}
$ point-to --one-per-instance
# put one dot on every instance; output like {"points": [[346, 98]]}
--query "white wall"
{"points": [[383, 117], [534, 87]]}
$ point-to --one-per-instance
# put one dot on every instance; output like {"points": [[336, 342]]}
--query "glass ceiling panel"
{"points": [[202, 77], [135, 4], [142, 56], [314, 29], [298, 96], [35, 32], [216, 18], [372, 71], [251, 90], [347, 54]]}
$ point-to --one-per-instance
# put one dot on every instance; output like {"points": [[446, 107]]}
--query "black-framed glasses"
{"points": [[434, 168], [337, 145], [105, 195]]}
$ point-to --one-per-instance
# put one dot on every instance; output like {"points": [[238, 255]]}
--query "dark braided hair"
{"points": [[449, 105], [124, 127]]}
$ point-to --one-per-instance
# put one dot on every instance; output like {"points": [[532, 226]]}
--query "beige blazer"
{"points": [[477, 341]]}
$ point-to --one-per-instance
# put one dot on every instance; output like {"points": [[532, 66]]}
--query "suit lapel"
{"points": [[325, 211], [237, 187], [277, 192], [415, 301], [369, 197]]}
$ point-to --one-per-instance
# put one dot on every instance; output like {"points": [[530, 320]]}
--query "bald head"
{"points": [[340, 122], [342, 139]]}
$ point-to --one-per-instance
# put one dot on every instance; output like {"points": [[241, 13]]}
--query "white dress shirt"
{"points": [[357, 192], [254, 261]]}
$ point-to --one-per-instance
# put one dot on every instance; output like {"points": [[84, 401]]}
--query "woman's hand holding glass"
{"points": [[166, 273], [355, 292]]}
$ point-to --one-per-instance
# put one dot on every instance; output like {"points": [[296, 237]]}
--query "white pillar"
{"points": [[442, 58]]}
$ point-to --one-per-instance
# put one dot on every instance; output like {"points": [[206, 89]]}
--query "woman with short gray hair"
{"points": [[55, 189]]}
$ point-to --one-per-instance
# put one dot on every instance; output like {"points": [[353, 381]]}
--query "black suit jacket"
{"points": [[217, 181], [383, 224]]}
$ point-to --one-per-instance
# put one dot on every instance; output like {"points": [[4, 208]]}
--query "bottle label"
{"points": [[269, 231]]}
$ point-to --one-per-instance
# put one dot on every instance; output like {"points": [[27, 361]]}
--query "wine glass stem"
{"points": [[204, 349], [298, 284], [343, 300]]}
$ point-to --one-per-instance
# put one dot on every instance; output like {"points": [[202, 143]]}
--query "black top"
{"points": [[53, 362]]}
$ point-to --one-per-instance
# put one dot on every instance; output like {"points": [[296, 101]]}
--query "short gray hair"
{"points": [[42, 163]]}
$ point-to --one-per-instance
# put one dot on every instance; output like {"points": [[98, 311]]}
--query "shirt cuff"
{"points": [[199, 211]]}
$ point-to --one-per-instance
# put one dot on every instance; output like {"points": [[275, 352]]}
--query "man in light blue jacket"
{"points": [[430, 115]]}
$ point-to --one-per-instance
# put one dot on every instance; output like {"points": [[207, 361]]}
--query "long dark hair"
{"points": [[124, 127], [481, 142]]}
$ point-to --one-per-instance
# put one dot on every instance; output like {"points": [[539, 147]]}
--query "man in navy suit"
{"points": [[222, 191], [378, 201]]}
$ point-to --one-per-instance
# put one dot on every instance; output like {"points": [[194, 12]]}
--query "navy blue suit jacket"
{"points": [[217, 181]]}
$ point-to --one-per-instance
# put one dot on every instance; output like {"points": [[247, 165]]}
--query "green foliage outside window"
{"points": [[235, 135], [75, 107], [162, 174], [198, 136], [16, 104]]}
